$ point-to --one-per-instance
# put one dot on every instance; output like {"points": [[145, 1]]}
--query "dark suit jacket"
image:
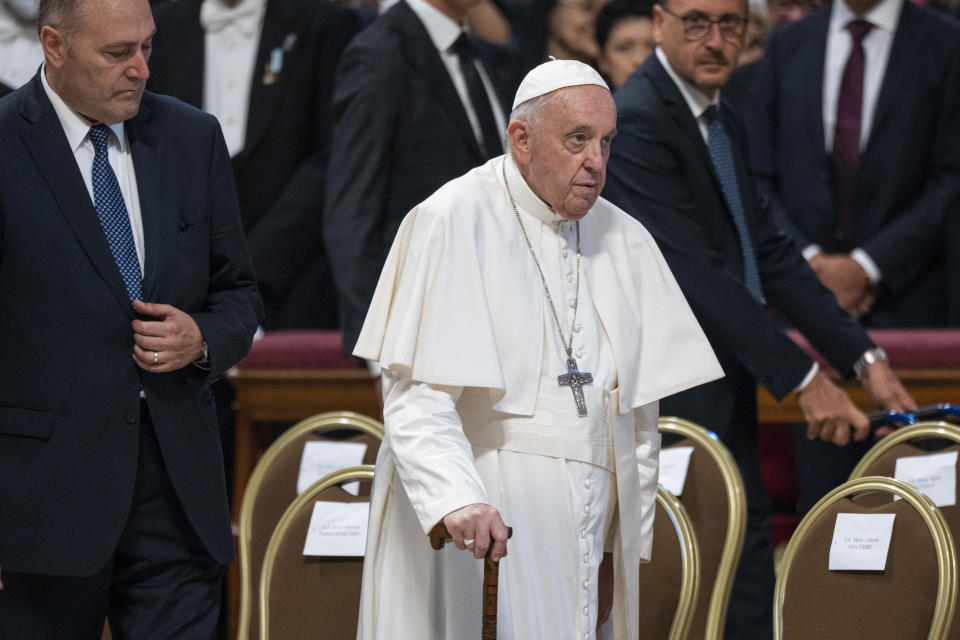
{"points": [[281, 170], [909, 171], [660, 172], [400, 133], [69, 388], [4, 89]]}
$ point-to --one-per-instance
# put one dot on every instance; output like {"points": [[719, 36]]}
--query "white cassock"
{"points": [[470, 353]]}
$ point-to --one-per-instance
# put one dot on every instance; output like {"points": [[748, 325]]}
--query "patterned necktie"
{"points": [[490, 143], [721, 154], [845, 161], [112, 212]]}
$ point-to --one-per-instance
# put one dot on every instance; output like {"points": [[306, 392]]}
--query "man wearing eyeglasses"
{"points": [[679, 166]]}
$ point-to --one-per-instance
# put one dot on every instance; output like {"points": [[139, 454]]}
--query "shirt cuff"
{"points": [[374, 368], [807, 379], [867, 264], [811, 250]]}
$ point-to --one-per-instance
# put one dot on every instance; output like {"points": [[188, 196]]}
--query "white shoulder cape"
{"points": [[459, 301]]}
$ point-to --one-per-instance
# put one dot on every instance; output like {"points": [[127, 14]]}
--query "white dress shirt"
{"points": [[876, 51], [76, 128], [444, 32], [698, 103], [20, 51], [230, 42]]}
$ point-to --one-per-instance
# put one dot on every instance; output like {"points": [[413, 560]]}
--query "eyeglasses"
{"points": [[697, 25]]}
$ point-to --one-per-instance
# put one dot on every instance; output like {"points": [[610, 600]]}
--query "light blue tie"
{"points": [[722, 156], [112, 212]]}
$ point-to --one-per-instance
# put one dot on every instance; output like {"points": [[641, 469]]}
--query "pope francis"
{"points": [[526, 329]]}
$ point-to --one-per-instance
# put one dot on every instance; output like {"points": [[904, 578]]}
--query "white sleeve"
{"points": [[433, 456], [648, 468]]}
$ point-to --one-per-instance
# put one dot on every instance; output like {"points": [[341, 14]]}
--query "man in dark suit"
{"points": [[280, 155], [414, 109], [855, 142], [678, 164], [125, 288]]}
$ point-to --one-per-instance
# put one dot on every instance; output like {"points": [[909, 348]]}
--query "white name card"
{"points": [[321, 457], [934, 474], [861, 541], [674, 462], [337, 529]]}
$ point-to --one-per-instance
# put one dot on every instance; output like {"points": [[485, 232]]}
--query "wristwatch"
{"points": [[868, 358], [205, 356]]}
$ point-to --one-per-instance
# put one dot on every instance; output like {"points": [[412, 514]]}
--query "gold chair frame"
{"points": [[689, 564], [347, 474], [932, 518], [918, 431], [736, 521], [323, 422]]}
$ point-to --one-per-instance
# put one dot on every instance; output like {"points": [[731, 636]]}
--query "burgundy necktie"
{"points": [[846, 136]]}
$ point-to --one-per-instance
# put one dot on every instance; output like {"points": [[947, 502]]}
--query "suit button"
{"points": [[132, 417]]}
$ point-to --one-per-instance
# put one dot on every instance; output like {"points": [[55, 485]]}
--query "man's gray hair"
{"points": [[531, 111], [62, 15]]}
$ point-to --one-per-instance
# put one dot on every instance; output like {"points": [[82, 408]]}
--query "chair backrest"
{"points": [[881, 460], [309, 596], [715, 501], [667, 611], [913, 597], [273, 486]]}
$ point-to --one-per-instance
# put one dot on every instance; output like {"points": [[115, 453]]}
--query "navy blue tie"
{"points": [[722, 156], [112, 212]]}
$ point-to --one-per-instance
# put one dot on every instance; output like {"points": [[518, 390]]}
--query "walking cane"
{"points": [[438, 537]]}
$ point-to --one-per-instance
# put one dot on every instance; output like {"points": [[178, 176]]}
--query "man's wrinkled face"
{"points": [[100, 63], [569, 148], [704, 60]]}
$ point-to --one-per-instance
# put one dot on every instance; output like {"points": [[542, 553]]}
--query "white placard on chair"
{"points": [[321, 457], [934, 475], [674, 462], [861, 541], [337, 529]]}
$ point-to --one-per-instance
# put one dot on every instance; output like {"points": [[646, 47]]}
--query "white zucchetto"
{"points": [[553, 75]]}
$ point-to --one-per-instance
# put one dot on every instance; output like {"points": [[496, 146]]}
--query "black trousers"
{"points": [[159, 584], [823, 466]]}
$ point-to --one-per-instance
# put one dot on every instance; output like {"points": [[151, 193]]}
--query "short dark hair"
{"points": [[615, 11], [59, 14]]}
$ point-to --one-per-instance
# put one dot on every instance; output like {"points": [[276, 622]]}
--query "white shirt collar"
{"points": [[883, 16], [443, 31], [524, 196], [246, 16], [695, 99], [75, 126]]}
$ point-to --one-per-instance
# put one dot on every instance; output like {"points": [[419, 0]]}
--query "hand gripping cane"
{"points": [[439, 536]]}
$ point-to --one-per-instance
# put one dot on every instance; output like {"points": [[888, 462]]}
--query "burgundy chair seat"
{"points": [[908, 348], [299, 350]]}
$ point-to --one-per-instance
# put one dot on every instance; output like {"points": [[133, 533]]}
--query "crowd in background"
{"points": [[281, 122]]}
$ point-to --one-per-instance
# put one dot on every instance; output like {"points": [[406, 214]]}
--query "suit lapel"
{"points": [[147, 151], [812, 60], [186, 71], [279, 24], [48, 147], [680, 112], [907, 41], [425, 61]]}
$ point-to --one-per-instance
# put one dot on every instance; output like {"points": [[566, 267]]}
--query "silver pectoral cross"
{"points": [[574, 379]]}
